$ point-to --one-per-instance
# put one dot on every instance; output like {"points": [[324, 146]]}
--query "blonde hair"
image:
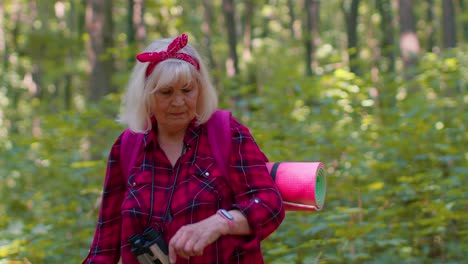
{"points": [[138, 104]]}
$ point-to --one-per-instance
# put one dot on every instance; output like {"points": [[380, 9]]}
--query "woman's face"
{"points": [[175, 106]]}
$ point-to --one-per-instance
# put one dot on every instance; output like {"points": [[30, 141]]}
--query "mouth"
{"points": [[177, 114]]}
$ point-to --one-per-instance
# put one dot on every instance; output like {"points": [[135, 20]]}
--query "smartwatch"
{"points": [[227, 216]]}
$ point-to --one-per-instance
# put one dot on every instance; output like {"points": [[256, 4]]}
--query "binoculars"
{"points": [[149, 247]]}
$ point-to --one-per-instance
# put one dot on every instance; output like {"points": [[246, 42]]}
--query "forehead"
{"points": [[174, 75]]}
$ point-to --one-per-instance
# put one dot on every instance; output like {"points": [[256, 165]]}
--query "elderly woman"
{"points": [[175, 188]]}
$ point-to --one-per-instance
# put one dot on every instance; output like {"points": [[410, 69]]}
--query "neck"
{"points": [[171, 142], [171, 135]]}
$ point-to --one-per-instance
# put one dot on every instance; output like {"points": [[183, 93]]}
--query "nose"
{"points": [[178, 99]]}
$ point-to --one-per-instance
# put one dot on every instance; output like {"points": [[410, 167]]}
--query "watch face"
{"points": [[226, 214]]}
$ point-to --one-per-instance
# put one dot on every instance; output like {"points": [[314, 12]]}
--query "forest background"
{"points": [[374, 89]]}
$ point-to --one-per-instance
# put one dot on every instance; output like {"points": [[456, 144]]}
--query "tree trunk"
{"points": [[82, 7], [100, 27], [11, 44], [409, 43], [37, 13], [449, 31], [431, 31], [232, 64], [3, 46], [139, 23], [76, 21], [351, 16], [208, 20], [292, 19], [136, 30], [308, 38], [311, 34], [386, 92], [247, 33], [130, 29], [387, 43], [462, 6]]}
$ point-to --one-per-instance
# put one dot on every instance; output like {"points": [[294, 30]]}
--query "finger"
{"points": [[207, 237], [178, 243], [196, 238], [174, 246], [199, 246], [172, 254], [183, 255], [185, 242], [181, 249]]}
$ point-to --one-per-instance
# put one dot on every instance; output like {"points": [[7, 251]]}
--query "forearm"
{"points": [[191, 240], [238, 226]]}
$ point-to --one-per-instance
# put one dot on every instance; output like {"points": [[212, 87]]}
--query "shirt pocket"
{"points": [[140, 179], [138, 189], [206, 184]]}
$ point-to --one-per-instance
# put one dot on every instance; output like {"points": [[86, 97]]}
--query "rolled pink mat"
{"points": [[301, 184]]}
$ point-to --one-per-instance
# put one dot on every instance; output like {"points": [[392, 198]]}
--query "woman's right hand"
{"points": [[191, 240]]}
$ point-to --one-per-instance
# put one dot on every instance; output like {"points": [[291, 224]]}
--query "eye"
{"points": [[187, 88], [164, 91]]}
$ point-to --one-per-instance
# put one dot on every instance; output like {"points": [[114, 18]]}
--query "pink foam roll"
{"points": [[302, 185]]}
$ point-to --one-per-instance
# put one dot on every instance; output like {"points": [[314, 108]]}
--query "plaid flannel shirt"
{"points": [[200, 190]]}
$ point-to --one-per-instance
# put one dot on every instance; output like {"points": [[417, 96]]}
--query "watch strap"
{"points": [[226, 216]]}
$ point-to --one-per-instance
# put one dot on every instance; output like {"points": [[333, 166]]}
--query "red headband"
{"points": [[171, 53]]}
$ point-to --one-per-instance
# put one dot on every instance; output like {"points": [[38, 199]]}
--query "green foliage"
{"points": [[394, 149], [396, 176], [50, 186]]}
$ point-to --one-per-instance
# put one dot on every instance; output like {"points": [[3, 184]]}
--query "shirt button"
{"points": [[256, 200], [207, 174], [134, 184]]}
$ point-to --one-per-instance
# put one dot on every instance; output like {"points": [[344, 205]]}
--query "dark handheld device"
{"points": [[149, 247]]}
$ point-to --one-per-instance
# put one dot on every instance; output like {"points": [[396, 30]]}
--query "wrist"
{"points": [[227, 220]]}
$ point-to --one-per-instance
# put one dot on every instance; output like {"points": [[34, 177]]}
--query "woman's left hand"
{"points": [[191, 240]]}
